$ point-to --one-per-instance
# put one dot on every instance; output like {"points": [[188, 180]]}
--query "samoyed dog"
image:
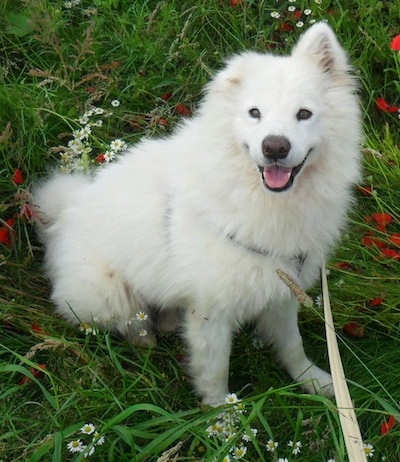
{"points": [[189, 230]]}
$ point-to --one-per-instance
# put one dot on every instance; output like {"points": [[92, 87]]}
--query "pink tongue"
{"points": [[276, 177]]}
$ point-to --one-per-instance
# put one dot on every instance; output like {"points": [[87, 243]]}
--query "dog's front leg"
{"points": [[278, 326], [209, 342]]}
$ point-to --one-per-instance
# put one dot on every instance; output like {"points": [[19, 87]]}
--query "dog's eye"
{"points": [[304, 114], [255, 113]]}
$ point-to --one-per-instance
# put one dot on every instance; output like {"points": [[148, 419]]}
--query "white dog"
{"points": [[195, 225]]}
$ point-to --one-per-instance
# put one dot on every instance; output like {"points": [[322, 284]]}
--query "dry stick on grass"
{"points": [[348, 419]]}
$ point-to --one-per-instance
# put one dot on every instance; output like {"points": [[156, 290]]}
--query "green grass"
{"points": [[54, 62]]}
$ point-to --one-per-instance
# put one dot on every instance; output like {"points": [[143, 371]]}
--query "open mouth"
{"points": [[278, 178]]}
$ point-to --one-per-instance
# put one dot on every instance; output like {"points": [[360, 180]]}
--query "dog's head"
{"points": [[284, 109]]}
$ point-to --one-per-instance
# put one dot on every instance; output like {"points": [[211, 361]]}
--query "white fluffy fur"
{"points": [[151, 229]]}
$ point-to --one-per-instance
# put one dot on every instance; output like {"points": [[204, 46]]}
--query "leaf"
{"points": [[19, 24]]}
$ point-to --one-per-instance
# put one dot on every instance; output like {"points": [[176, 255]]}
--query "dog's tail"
{"points": [[50, 197]]}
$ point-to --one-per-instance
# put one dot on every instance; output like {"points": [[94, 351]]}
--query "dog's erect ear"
{"points": [[320, 44], [232, 74]]}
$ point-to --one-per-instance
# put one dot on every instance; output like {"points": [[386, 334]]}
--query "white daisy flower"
{"points": [[115, 103], [88, 429], [118, 145], [231, 398], [76, 145], [97, 439], [307, 12], [75, 446], [90, 452], [142, 333], [141, 316], [299, 24], [84, 119], [239, 452], [369, 450], [275, 15], [296, 447], [97, 123], [109, 156], [271, 445]]}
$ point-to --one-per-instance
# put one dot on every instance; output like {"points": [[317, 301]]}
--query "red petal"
{"points": [[235, 2], [354, 329], [395, 45], [382, 218], [34, 371], [39, 330], [382, 105], [369, 241], [376, 301], [395, 239], [17, 176], [166, 96], [286, 27], [366, 190], [6, 232], [390, 253], [297, 14], [183, 110], [386, 427], [342, 265]]}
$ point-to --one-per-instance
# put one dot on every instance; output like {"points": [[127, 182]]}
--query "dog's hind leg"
{"points": [[94, 293], [278, 327], [138, 328]]}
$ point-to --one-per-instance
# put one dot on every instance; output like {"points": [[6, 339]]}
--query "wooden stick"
{"points": [[348, 419]]}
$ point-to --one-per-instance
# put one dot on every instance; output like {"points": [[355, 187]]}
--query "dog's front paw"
{"points": [[316, 382]]}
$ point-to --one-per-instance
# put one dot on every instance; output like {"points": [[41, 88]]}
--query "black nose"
{"points": [[275, 147]]}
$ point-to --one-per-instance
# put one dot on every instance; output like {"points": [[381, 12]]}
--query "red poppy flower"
{"points": [[354, 329], [383, 106], [236, 2], [183, 110], [17, 177], [387, 426], [395, 45]]}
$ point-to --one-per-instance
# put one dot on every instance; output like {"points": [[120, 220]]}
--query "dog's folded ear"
{"points": [[319, 43]]}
